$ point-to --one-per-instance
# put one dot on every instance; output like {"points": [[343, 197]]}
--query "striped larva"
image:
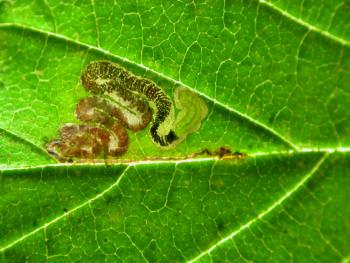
{"points": [[108, 78], [122, 100]]}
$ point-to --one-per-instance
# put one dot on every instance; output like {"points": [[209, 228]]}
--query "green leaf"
{"points": [[275, 77]]}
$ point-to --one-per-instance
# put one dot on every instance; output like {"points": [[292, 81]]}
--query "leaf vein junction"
{"points": [[267, 211], [66, 214]]}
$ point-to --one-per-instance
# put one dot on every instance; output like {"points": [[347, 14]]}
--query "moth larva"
{"points": [[107, 78], [122, 100]]}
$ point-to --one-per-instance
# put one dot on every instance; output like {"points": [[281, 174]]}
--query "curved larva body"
{"points": [[104, 77], [120, 101]]}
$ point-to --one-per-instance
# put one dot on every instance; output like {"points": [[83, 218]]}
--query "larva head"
{"points": [[98, 77]]}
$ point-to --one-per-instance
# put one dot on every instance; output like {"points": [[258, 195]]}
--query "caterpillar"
{"points": [[121, 100], [106, 78]]}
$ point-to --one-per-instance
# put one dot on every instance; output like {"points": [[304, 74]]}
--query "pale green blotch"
{"points": [[192, 110]]}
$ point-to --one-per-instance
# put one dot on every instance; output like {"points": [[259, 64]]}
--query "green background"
{"points": [[275, 76]]}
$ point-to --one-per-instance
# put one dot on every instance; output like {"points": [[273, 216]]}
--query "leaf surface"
{"points": [[275, 77]]}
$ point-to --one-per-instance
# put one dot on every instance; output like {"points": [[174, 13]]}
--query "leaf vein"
{"points": [[307, 25], [123, 59], [65, 215], [267, 211], [172, 160], [26, 141]]}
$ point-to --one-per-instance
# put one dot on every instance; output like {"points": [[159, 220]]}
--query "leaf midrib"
{"points": [[285, 197], [180, 160]]}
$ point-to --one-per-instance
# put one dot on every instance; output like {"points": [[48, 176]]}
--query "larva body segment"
{"points": [[107, 78], [121, 100]]}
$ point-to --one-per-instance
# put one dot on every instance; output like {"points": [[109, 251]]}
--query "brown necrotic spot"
{"points": [[89, 142], [121, 100], [112, 80]]}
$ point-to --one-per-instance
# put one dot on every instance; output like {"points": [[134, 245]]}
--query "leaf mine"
{"points": [[122, 101]]}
